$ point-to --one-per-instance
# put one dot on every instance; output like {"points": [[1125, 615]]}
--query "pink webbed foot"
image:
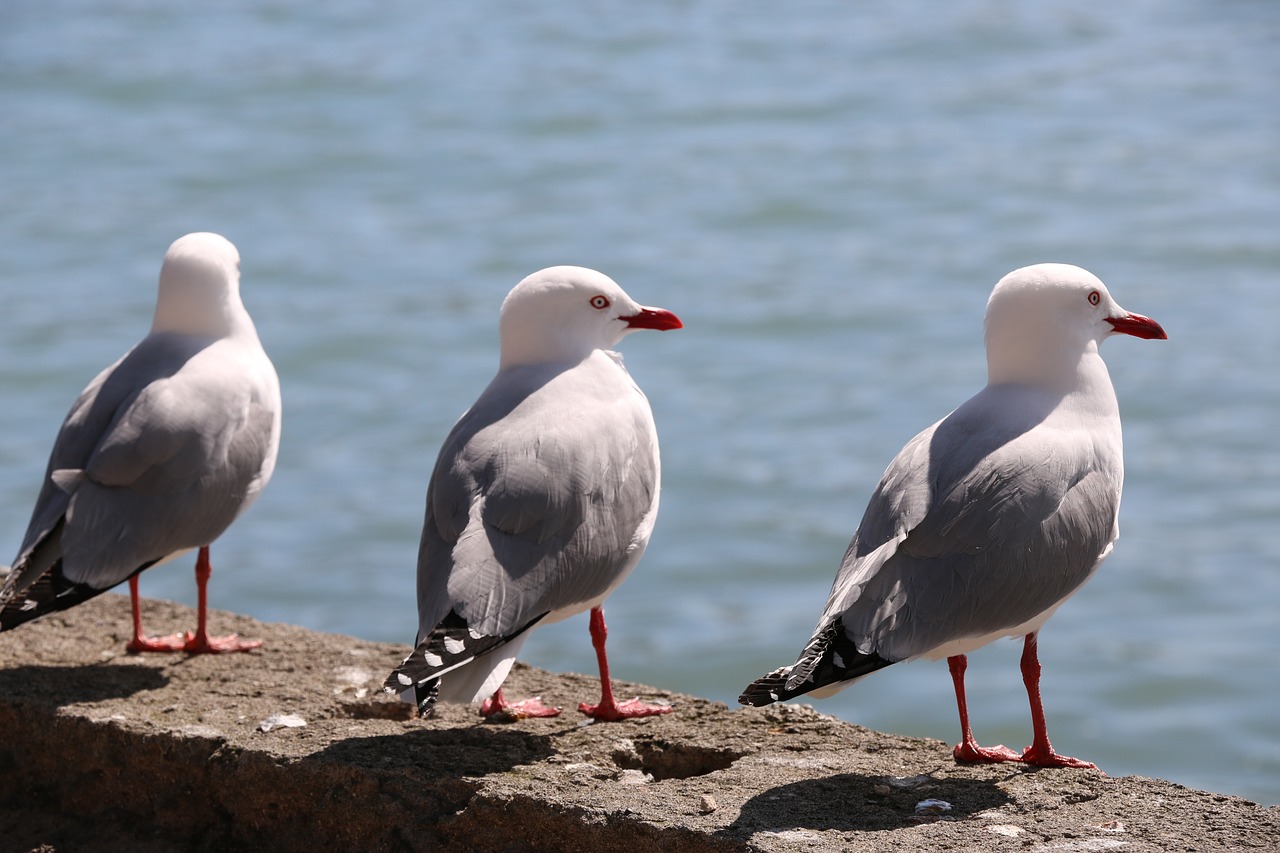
{"points": [[612, 712], [192, 644], [1046, 757], [171, 643], [609, 710], [496, 707], [971, 753], [198, 644]]}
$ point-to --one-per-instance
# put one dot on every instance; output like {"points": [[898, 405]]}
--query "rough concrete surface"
{"points": [[101, 750]]}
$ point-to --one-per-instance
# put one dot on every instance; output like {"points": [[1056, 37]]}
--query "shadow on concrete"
{"points": [[55, 686], [435, 753], [852, 802]]}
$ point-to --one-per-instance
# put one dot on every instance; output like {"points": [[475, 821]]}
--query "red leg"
{"points": [[200, 642], [1040, 753], [498, 706], [140, 643], [968, 749], [609, 709]]}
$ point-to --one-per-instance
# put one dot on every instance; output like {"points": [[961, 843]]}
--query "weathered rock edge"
{"points": [[105, 751]]}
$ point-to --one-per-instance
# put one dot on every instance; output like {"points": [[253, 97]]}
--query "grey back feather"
{"points": [[977, 526], [539, 496], [159, 454]]}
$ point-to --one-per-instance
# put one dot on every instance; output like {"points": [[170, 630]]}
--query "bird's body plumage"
{"points": [[158, 455], [542, 500], [538, 510], [987, 521]]}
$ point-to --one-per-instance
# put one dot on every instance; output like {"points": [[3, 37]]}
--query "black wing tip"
{"points": [[424, 691], [766, 690], [829, 658], [49, 593], [450, 645]]}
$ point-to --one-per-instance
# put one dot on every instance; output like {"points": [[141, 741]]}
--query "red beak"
{"points": [[653, 318], [1138, 326]]}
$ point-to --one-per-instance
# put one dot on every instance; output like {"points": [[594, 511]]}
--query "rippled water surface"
{"points": [[825, 194]]}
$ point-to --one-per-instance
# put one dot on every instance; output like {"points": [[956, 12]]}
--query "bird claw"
{"points": [[614, 712], [171, 643], [195, 644], [1048, 758], [510, 713], [192, 644], [971, 753]]}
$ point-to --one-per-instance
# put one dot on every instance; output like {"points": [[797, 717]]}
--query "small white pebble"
{"points": [[707, 804], [932, 807], [1006, 829], [281, 721]]}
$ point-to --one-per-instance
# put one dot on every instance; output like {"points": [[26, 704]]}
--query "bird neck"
{"points": [[519, 350], [1021, 357], [197, 311]]}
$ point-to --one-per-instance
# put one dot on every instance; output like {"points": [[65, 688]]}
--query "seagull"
{"points": [[986, 522], [542, 499], [163, 450]]}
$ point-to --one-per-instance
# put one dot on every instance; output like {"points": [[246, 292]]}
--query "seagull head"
{"points": [[565, 313], [199, 287], [1042, 320]]}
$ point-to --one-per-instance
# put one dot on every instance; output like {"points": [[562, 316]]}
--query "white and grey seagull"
{"points": [[542, 499], [158, 455], [986, 522]]}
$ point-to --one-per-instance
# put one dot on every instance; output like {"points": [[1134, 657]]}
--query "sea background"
{"points": [[825, 192]]}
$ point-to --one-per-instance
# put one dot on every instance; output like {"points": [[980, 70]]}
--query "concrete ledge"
{"points": [[105, 751]]}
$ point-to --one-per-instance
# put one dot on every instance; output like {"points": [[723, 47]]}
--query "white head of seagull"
{"points": [[200, 288], [1044, 324], [563, 314]]}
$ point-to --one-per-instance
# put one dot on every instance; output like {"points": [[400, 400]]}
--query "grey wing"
{"points": [[41, 549], [539, 502], [834, 655], [1014, 521], [977, 526], [536, 509], [156, 456]]}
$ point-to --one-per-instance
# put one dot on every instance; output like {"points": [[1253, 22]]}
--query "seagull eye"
{"points": [[1094, 297], [600, 302]]}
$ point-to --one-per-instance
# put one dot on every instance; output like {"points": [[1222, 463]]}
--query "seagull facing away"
{"points": [[158, 456], [986, 522], [542, 499]]}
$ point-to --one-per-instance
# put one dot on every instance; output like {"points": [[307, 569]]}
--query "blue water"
{"points": [[824, 192]]}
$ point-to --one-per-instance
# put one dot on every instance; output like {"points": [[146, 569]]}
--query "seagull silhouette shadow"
{"points": [[477, 750], [853, 802], [55, 686]]}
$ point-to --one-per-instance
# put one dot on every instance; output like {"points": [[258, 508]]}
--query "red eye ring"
{"points": [[600, 302], [1094, 297]]}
